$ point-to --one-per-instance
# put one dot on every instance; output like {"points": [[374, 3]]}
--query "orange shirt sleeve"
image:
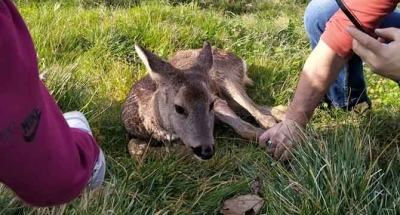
{"points": [[369, 12]]}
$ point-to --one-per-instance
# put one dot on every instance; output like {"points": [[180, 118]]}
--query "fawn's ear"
{"points": [[158, 69], [205, 58]]}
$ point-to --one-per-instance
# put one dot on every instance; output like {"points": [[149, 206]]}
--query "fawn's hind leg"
{"points": [[224, 113], [238, 93], [136, 147]]}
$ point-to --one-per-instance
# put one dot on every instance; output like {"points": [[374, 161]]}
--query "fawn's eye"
{"points": [[180, 110], [212, 106]]}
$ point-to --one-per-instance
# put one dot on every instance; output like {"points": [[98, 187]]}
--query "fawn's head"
{"points": [[184, 99]]}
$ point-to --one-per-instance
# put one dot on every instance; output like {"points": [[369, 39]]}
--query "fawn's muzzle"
{"points": [[204, 152]]}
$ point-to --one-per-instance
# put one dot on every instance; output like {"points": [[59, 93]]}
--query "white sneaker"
{"points": [[76, 119]]}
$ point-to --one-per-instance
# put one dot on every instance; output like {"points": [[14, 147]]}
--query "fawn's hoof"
{"points": [[279, 112], [266, 121], [136, 148]]}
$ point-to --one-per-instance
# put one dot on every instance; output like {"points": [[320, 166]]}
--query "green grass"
{"points": [[348, 164]]}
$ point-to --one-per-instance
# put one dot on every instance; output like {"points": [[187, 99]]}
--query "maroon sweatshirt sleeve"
{"points": [[42, 160]]}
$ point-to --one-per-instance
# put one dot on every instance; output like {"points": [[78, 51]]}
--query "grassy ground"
{"points": [[348, 165]]}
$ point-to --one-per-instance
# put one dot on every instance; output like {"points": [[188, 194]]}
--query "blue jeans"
{"points": [[349, 88]]}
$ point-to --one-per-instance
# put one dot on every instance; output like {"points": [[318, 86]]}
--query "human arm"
{"points": [[370, 13], [42, 159], [319, 72]]}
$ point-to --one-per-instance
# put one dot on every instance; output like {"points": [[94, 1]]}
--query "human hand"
{"points": [[383, 59], [280, 139]]}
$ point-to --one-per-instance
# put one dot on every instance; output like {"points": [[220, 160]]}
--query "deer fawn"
{"points": [[179, 99]]}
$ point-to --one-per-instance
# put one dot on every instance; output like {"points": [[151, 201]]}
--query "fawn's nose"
{"points": [[204, 152]]}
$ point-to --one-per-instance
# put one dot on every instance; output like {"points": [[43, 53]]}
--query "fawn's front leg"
{"points": [[237, 93], [224, 113]]}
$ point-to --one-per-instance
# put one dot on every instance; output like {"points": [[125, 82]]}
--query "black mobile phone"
{"points": [[353, 18]]}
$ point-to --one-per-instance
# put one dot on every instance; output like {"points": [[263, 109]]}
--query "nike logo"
{"points": [[31, 124]]}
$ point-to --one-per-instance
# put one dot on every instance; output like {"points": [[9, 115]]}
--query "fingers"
{"points": [[382, 40], [364, 44], [388, 33], [268, 135], [286, 155], [271, 150], [283, 150], [362, 51], [279, 146], [264, 142], [275, 143], [280, 149], [264, 138]]}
